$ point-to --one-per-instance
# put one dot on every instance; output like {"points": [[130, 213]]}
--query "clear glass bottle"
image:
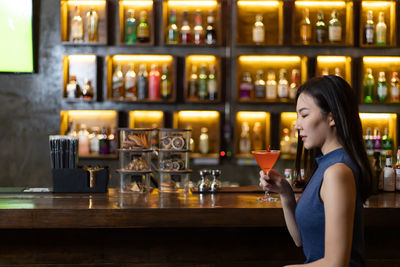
{"points": [[325, 71], [203, 141], [172, 31], [257, 139], [202, 90], [381, 30], [335, 28], [77, 26], [389, 176], [394, 87], [271, 86], [130, 27], [87, 91], [118, 83], [73, 88], [295, 84], [92, 25], [165, 86], [305, 27], [283, 85], [258, 30], [369, 142], [143, 30], [142, 85], [83, 141], [338, 72], [186, 31], [381, 87], [198, 30], [212, 86], [369, 86], [211, 33], [285, 141], [154, 82], [245, 142], [320, 27], [94, 141], [130, 83], [369, 29], [246, 88], [193, 83], [259, 85]]}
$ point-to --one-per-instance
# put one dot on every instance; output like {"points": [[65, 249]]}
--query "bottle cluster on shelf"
{"points": [[375, 34], [381, 91], [89, 32], [377, 142], [202, 84], [387, 178], [137, 31], [75, 91], [250, 139]]}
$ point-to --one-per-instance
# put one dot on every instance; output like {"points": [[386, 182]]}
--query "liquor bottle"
{"points": [[92, 25], [245, 142], [143, 31], [130, 83], [259, 85], [295, 84], [185, 32], [325, 71], [338, 72], [293, 138], [387, 141], [397, 170], [369, 29], [165, 86], [212, 86], [83, 141], [172, 32], [142, 82], [257, 139], [246, 88], [118, 83], [283, 85], [376, 162], [285, 141], [202, 89], [193, 83], [381, 87], [94, 141], [335, 28], [305, 27], [258, 30], [395, 87], [72, 129], [320, 27], [369, 86], [112, 141], [203, 141], [87, 91], [73, 88], [211, 33], [198, 30], [77, 26], [389, 176], [381, 30], [103, 141], [377, 140], [271, 86], [130, 27], [154, 83], [369, 142]]}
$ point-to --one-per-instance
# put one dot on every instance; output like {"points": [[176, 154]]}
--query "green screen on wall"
{"points": [[16, 53]]}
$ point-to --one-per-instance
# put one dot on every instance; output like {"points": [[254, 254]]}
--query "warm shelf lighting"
{"points": [[294, 59], [328, 59], [200, 58], [92, 113], [136, 3], [198, 114], [156, 58], [87, 3], [258, 3], [82, 59], [380, 5], [371, 60], [245, 115], [187, 3], [154, 115], [378, 116], [289, 116], [320, 3]]}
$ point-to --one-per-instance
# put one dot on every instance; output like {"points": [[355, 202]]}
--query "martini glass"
{"points": [[266, 160]]}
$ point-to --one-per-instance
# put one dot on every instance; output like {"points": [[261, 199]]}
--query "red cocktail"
{"points": [[266, 160]]}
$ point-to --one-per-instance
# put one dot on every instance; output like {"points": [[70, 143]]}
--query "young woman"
{"points": [[327, 220]]}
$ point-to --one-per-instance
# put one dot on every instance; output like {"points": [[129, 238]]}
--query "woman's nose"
{"points": [[297, 125]]}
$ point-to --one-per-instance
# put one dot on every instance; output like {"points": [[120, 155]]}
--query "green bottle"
{"points": [[381, 87], [172, 32], [387, 141], [203, 92], [130, 28], [165, 85], [143, 31], [368, 86], [320, 27]]}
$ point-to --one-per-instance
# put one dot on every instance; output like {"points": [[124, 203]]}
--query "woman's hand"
{"points": [[273, 181]]}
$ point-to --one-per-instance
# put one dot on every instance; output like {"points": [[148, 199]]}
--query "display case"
{"points": [[259, 23], [80, 78], [269, 78], [334, 65], [202, 81], [192, 22], [378, 24], [95, 130], [288, 135], [146, 119], [323, 23], [84, 22], [136, 22], [205, 126], [379, 80], [141, 78], [252, 132]]}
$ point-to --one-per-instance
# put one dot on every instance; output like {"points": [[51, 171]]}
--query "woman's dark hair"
{"points": [[334, 95]]}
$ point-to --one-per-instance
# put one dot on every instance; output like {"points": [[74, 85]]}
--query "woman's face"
{"points": [[314, 127]]}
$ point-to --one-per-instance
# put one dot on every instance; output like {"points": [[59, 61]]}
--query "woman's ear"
{"points": [[331, 120]]}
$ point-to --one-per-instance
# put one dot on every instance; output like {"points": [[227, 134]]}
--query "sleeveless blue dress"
{"points": [[310, 214]]}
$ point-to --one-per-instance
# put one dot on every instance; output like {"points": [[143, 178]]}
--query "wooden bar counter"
{"points": [[168, 229]]}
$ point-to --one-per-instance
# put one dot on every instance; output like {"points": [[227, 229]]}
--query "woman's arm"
{"points": [[338, 193]]}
